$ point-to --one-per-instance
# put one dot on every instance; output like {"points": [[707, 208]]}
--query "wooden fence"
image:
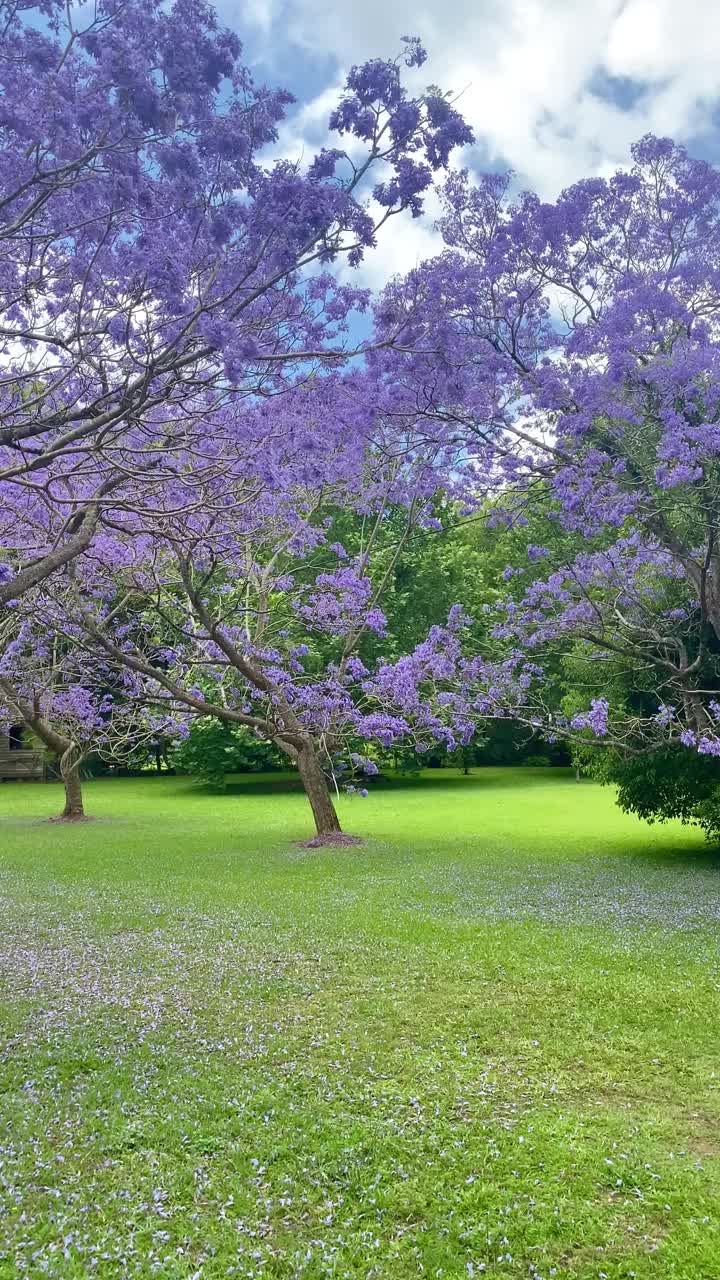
{"points": [[22, 764]]}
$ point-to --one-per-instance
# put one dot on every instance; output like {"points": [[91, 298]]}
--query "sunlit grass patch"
{"points": [[482, 1043]]}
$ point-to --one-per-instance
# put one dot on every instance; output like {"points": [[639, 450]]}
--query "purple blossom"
{"points": [[596, 719]]}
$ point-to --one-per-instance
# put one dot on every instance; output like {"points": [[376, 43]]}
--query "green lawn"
{"points": [[485, 1043]]}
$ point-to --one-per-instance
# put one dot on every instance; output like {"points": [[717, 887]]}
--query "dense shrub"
{"points": [[213, 750]]}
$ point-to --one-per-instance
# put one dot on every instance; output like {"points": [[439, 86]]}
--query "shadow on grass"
{"points": [[699, 857], [646, 844], [492, 776]]}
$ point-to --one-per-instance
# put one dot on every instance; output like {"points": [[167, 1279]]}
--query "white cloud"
{"points": [[256, 13], [528, 72], [655, 40], [528, 67], [403, 243], [305, 130]]}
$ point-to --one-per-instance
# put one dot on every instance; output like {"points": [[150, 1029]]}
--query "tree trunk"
{"points": [[67, 752], [317, 792], [70, 773]]}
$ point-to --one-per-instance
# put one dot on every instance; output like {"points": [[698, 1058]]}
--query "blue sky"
{"points": [[555, 89]]}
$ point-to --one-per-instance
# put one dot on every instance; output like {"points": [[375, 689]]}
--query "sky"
{"points": [[554, 89]]}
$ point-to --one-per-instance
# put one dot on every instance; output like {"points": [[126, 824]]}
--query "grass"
{"points": [[482, 1044]]}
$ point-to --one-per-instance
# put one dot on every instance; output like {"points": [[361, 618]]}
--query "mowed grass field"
{"points": [[484, 1043]]}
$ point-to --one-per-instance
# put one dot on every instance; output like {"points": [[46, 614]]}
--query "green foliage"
{"points": [[669, 783], [507, 742], [213, 750], [462, 562]]}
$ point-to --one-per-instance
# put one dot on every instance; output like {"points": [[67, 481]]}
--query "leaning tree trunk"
{"points": [[317, 791], [67, 752], [70, 774]]}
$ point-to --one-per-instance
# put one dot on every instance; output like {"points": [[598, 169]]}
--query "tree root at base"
{"points": [[329, 838]]}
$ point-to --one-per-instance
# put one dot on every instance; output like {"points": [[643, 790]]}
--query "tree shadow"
{"points": [[702, 856], [647, 845], [494, 776]]}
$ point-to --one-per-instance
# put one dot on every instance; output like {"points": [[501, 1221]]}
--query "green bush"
{"points": [[671, 782], [213, 750]]}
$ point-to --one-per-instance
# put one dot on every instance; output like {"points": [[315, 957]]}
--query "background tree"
{"points": [[73, 704], [214, 748]]}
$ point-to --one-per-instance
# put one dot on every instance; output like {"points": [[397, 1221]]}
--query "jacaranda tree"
{"points": [[573, 347], [228, 595], [67, 699], [154, 263]]}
